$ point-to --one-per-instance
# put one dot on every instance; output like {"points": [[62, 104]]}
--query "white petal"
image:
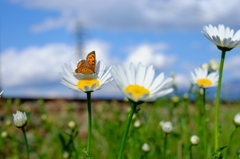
{"points": [[86, 88], [157, 81], [140, 74]]}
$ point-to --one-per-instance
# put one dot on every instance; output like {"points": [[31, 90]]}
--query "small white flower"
{"points": [[20, 119], [4, 134], [146, 147], [137, 123], [214, 65], [71, 125], [138, 85], [167, 127], [85, 82], [205, 65], [195, 140], [223, 37], [203, 79], [237, 119]]}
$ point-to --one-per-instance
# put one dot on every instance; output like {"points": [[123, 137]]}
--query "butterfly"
{"points": [[87, 66]]}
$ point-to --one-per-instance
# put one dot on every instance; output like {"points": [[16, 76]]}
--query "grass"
{"points": [[109, 121]]}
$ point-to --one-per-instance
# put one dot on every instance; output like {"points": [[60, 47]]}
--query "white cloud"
{"points": [[42, 64], [151, 54], [137, 15], [182, 81], [232, 63]]}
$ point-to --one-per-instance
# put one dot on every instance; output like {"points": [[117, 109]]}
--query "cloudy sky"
{"points": [[38, 36]]}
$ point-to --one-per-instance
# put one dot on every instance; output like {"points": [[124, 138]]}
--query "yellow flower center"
{"points": [[136, 90], [87, 82], [221, 41], [204, 82]]}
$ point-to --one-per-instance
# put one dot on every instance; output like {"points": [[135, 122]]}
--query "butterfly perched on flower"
{"points": [[87, 66]]}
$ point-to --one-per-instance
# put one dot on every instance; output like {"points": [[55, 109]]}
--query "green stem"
{"points": [[186, 126], [133, 109], [226, 152], [218, 99], [26, 142], [204, 123], [190, 151], [89, 123], [165, 146]]}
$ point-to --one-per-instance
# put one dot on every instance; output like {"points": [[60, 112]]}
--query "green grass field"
{"points": [[47, 129]]}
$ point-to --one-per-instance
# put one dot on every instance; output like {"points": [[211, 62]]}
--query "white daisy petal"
{"points": [[157, 81], [222, 36], [203, 79], [85, 82], [142, 90]]}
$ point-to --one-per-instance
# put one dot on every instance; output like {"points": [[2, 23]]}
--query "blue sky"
{"points": [[38, 37]]}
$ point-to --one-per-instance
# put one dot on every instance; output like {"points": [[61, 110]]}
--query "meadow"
{"points": [[49, 135]]}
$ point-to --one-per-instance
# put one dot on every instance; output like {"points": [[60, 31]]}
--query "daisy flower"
{"points": [[138, 85], [203, 79], [224, 38], [85, 82]]}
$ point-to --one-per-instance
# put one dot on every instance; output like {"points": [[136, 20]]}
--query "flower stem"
{"points": [[226, 152], [89, 123], [165, 146], [133, 109], [204, 123], [26, 142], [190, 151], [186, 121], [218, 99]]}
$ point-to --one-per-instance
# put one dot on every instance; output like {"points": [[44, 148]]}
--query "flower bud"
{"points": [[8, 123], [66, 155], [44, 117], [195, 140], [161, 123], [4, 134], [205, 65], [214, 65], [175, 99], [134, 116], [172, 74], [146, 147], [167, 127], [201, 91], [137, 123], [185, 96], [71, 125], [20, 119], [237, 119]]}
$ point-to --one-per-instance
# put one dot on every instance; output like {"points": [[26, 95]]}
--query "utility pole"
{"points": [[79, 47]]}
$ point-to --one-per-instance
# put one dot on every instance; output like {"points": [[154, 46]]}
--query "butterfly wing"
{"points": [[91, 59], [84, 68]]}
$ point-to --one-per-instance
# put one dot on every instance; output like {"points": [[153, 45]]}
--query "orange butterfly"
{"points": [[87, 66]]}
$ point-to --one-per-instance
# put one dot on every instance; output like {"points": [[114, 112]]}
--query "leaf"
{"points": [[219, 129], [218, 153], [63, 143]]}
